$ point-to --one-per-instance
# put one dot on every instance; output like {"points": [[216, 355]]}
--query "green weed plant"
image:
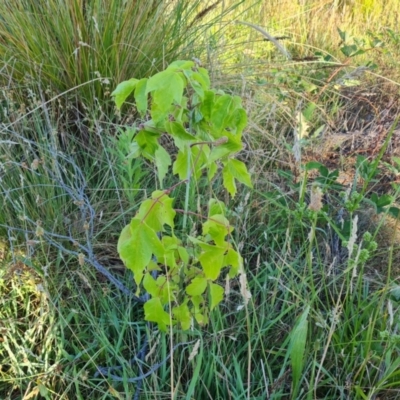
{"points": [[206, 127]]}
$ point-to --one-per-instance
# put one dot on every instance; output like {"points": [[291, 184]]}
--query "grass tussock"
{"points": [[319, 240]]}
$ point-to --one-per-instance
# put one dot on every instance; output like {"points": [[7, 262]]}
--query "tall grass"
{"points": [[60, 45]]}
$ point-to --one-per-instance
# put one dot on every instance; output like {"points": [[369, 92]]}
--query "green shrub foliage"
{"points": [[206, 128]]}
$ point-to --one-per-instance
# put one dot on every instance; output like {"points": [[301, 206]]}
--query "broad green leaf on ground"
{"points": [[216, 295], [141, 96], [123, 90], [197, 286], [157, 211], [136, 245], [182, 315], [163, 161], [154, 312], [235, 169]]}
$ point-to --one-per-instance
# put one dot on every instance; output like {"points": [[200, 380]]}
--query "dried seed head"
{"points": [[39, 231], [195, 351], [81, 259], [35, 164], [315, 199], [245, 292]]}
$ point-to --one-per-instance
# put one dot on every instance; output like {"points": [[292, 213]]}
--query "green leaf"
{"points": [[216, 207], [157, 211], [207, 105], [180, 166], [220, 114], [154, 312], [150, 285], [166, 289], [234, 260], [212, 262], [181, 137], [229, 182], [136, 245], [298, 338], [198, 310], [205, 78], [382, 201], [235, 169], [148, 143], [239, 121], [232, 146], [166, 88], [163, 161], [313, 165], [198, 81], [184, 255], [349, 50], [217, 227], [199, 154], [197, 286], [181, 65], [123, 90], [216, 294], [394, 212], [141, 96], [343, 35], [212, 170], [182, 315]]}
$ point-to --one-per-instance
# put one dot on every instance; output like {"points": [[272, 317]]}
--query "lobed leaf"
{"points": [[154, 312], [141, 96], [183, 315], [163, 161], [216, 295], [197, 286], [123, 91], [136, 245], [212, 262], [157, 211]]}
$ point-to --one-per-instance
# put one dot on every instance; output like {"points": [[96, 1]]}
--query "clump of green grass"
{"points": [[91, 46]]}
